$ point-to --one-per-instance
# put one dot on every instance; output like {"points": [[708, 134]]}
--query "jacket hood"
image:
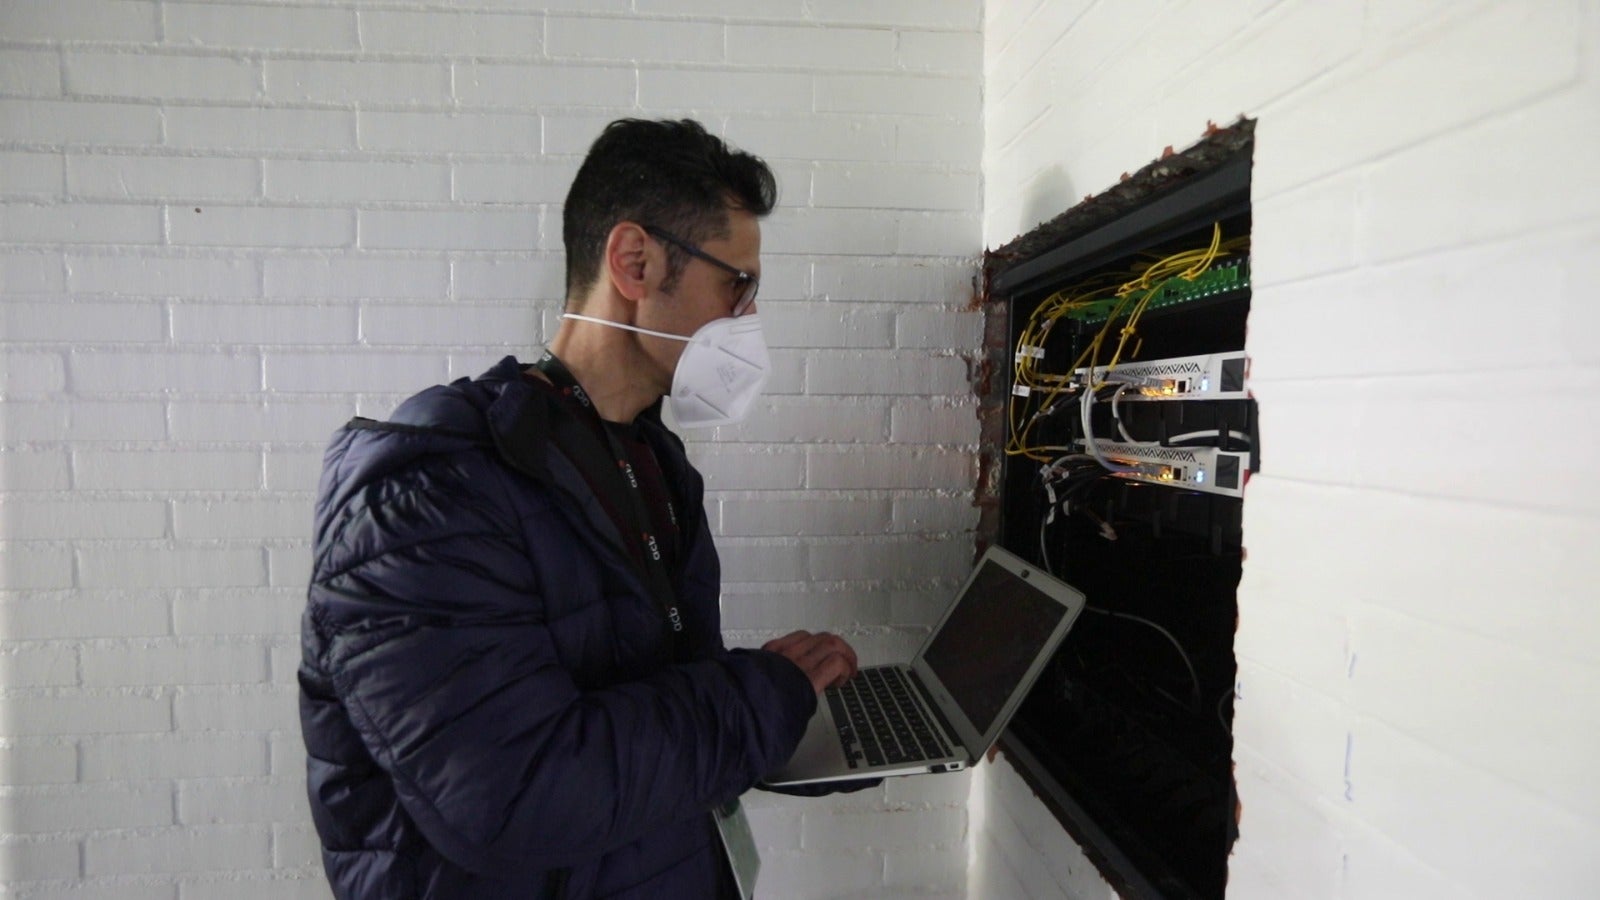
{"points": [[500, 411], [467, 414]]}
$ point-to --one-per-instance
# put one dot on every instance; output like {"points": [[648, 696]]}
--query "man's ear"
{"points": [[627, 260]]}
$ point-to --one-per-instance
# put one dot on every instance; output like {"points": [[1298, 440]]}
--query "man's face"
{"points": [[705, 291]]}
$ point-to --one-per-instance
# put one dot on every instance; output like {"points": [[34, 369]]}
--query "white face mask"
{"points": [[719, 375]]}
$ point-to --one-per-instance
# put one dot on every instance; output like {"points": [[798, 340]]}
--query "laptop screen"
{"points": [[984, 649]]}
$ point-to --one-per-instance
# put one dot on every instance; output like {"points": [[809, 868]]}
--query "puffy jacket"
{"points": [[489, 700]]}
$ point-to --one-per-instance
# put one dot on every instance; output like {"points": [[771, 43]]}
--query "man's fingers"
{"points": [[824, 672], [822, 646], [826, 659], [782, 644], [831, 672]]}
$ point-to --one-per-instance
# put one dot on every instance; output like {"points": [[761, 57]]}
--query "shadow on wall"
{"points": [[1018, 849], [1048, 194]]}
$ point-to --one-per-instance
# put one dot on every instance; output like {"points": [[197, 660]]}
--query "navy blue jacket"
{"points": [[488, 696]]}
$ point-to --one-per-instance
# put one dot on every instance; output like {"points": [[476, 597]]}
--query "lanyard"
{"points": [[621, 482]]}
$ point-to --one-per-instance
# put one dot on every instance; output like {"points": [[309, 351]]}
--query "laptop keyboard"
{"points": [[879, 722]]}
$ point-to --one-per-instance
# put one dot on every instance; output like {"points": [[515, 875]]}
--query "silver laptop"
{"points": [[958, 692]]}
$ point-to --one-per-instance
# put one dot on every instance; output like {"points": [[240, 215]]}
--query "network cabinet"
{"points": [[1122, 437]]}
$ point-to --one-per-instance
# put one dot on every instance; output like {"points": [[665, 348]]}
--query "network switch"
{"points": [[1205, 469], [1219, 376]]}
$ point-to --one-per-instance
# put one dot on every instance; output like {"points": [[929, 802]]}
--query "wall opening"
{"points": [[1121, 437]]}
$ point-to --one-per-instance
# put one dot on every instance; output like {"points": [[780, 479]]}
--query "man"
{"points": [[513, 680]]}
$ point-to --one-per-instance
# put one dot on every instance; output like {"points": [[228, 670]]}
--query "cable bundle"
{"points": [[1125, 297]]}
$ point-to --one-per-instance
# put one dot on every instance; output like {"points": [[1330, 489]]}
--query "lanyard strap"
{"points": [[622, 483]]}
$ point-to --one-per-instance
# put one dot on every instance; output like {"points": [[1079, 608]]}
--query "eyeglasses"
{"points": [[744, 284]]}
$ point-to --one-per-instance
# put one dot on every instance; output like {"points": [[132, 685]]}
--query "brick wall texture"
{"points": [[1415, 712], [228, 227]]}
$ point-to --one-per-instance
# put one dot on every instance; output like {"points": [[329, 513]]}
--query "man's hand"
{"points": [[825, 658]]}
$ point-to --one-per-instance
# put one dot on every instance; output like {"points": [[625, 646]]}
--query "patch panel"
{"points": [[1226, 277]]}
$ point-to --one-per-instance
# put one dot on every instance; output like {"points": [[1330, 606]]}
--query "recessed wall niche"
{"points": [[1119, 435]]}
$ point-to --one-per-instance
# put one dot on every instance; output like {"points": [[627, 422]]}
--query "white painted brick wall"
{"points": [[1416, 616], [244, 128], [29, 173], [229, 226], [141, 76]]}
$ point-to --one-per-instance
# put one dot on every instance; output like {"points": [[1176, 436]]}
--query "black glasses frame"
{"points": [[743, 281]]}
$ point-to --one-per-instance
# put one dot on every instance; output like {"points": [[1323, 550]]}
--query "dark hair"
{"points": [[672, 175]]}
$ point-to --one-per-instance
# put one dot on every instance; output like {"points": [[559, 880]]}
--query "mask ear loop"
{"points": [[741, 323], [660, 334]]}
